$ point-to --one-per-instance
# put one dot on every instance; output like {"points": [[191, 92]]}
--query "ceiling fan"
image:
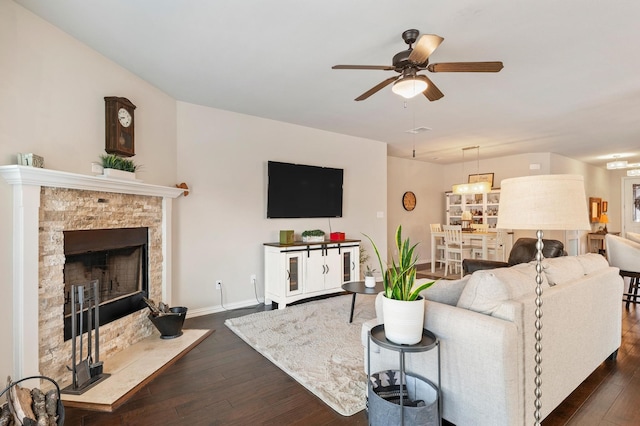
{"points": [[409, 62]]}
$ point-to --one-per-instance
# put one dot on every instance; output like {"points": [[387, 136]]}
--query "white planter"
{"points": [[313, 239], [403, 320], [118, 174], [370, 282]]}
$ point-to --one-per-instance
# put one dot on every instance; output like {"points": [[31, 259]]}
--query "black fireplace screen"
{"points": [[118, 259]]}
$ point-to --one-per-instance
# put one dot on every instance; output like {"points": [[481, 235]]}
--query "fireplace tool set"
{"points": [[86, 371]]}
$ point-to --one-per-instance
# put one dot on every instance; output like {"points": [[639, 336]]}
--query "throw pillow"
{"points": [[446, 291], [592, 262], [560, 270], [487, 289]]}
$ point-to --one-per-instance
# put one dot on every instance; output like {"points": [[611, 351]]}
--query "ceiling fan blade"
{"points": [[466, 67], [426, 45], [376, 88], [362, 67], [431, 92]]}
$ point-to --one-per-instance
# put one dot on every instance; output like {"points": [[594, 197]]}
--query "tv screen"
{"points": [[298, 191]]}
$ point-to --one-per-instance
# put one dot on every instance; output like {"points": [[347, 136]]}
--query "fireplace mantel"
{"points": [[27, 183], [26, 175]]}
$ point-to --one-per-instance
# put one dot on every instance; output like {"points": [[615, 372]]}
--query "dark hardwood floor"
{"points": [[224, 382]]}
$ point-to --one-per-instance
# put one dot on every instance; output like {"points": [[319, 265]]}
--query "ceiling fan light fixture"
{"points": [[409, 87]]}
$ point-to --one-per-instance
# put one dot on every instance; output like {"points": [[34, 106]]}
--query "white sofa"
{"points": [[485, 323]]}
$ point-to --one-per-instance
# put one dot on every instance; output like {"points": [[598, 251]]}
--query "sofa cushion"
{"points": [[486, 290], [592, 262], [446, 291], [560, 270]]}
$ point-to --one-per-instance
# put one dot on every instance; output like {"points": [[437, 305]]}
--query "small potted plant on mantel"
{"points": [[402, 305], [313, 236], [118, 167]]}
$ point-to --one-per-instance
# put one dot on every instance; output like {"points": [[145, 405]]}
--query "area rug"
{"points": [[316, 345]]}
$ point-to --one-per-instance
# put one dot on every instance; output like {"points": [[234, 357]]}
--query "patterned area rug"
{"points": [[314, 343]]}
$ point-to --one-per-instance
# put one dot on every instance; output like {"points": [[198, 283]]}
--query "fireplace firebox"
{"points": [[118, 259]]}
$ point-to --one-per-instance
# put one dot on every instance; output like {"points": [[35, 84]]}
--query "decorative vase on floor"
{"points": [[403, 320]]}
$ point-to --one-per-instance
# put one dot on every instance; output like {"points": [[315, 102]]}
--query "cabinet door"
{"points": [[350, 264], [333, 268], [315, 271], [293, 262], [491, 209]]}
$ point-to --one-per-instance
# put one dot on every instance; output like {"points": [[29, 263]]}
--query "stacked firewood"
{"points": [[29, 407], [160, 309]]}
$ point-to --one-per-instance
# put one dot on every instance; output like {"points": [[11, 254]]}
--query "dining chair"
{"points": [[440, 246], [495, 247], [480, 227], [455, 249]]}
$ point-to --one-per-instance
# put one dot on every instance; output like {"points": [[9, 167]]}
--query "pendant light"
{"points": [[476, 187]]}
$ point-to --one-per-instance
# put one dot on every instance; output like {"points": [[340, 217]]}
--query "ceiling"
{"points": [[570, 83]]}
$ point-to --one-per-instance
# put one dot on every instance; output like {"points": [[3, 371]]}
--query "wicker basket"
{"points": [[60, 410]]}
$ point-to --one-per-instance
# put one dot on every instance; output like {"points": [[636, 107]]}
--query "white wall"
{"points": [[51, 103], [222, 225], [425, 180]]}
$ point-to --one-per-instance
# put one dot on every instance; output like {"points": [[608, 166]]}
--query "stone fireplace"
{"points": [[51, 206]]}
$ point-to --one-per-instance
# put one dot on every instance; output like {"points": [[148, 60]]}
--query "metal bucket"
{"points": [[170, 325]]}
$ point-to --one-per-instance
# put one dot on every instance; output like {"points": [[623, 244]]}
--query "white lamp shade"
{"points": [[543, 202], [409, 87]]}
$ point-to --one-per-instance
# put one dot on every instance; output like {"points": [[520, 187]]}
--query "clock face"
{"points": [[409, 201], [124, 117]]}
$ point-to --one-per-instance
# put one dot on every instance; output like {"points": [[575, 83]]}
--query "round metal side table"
{"points": [[428, 342]]}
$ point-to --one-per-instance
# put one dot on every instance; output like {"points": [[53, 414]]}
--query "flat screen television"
{"points": [[301, 191]]}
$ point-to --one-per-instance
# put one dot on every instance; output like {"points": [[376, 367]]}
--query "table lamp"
{"points": [[543, 202], [604, 219], [466, 219]]}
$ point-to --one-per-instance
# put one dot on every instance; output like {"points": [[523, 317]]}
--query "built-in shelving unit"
{"points": [[483, 207]]}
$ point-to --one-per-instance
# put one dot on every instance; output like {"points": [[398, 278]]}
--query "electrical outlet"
{"points": [[252, 278], [218, 284]]}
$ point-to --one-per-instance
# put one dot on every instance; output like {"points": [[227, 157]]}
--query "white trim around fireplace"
{"points": [[27, 182]]}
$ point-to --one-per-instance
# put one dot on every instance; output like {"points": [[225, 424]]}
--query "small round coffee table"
{"points": [[358, 287]]}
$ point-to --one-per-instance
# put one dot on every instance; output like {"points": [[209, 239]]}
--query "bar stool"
{"points": [[624, 254]]}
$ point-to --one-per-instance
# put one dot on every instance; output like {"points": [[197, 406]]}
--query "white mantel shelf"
{"points": [[27, 175]]}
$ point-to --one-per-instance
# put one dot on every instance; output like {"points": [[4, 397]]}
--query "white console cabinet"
{"points": [[301, 270]]}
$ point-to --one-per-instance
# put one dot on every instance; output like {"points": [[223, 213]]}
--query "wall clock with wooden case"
{"points": [[119, 126]]}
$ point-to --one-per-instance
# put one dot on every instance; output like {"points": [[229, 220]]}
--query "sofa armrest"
{"points": [[469, 266]]}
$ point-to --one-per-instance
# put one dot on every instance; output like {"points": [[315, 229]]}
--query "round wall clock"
{"points": [[409, 201], [119, 126]]}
